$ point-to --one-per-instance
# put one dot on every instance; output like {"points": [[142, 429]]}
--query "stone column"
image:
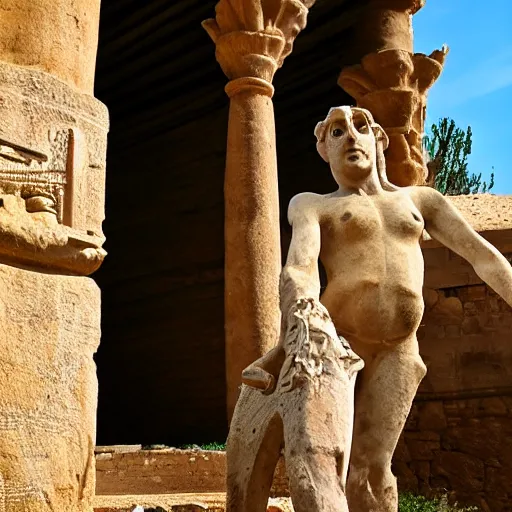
{"points": [[392, 82], [56, 36], [252, 39], [52, 172]]}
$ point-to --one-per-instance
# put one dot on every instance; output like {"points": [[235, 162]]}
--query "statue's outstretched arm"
{"points": [[444, 223]]}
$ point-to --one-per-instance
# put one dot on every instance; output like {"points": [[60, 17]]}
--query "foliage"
{"points": [[448, 148], [207, 446], [410, 503]]}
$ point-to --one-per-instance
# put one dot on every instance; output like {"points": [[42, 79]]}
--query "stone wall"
{"points": [[457, 438]]}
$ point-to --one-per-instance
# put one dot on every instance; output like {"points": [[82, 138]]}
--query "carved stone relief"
{"points": [[52, 167]]}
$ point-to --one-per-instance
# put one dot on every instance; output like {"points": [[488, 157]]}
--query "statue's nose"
{"points": [[351, 135]]}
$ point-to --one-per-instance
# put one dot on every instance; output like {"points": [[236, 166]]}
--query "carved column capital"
{"points": [[393, 86], [410, 6], [253, 37]]}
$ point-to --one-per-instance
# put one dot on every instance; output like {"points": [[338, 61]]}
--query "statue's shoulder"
{"points": [[304, 204], [424, 196]]}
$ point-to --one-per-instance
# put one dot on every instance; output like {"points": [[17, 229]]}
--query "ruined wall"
{"points": [[457, 437]]}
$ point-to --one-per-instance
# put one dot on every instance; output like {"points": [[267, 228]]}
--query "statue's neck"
{"points": [[370, 186]]}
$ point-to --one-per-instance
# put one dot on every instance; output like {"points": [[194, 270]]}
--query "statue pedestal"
{"points": [[48, 391]]}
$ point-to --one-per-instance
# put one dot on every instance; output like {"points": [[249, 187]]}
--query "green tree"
{"points": [[448, 148]]}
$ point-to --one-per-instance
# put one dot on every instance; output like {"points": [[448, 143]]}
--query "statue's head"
{"points": [[352, 143]]}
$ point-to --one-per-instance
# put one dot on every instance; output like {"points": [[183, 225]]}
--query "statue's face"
{"points": [[350, 147]]}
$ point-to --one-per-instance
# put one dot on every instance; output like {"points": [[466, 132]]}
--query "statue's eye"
{"points": [[337, 132]]}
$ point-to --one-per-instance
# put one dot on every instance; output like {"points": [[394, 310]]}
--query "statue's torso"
{"points": [[371, 252]]}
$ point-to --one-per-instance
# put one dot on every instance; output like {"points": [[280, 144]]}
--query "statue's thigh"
{"points": [[385, 390]]}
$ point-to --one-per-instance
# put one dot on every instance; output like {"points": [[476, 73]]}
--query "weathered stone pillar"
{"points": [[392, 82], [56, 36], [52, 173], [252, 40]]}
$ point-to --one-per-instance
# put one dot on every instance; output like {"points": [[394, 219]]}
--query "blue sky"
{"points": [[475, 87]]}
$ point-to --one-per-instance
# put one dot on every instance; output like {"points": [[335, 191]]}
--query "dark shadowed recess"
{"points": [[161, 360]]}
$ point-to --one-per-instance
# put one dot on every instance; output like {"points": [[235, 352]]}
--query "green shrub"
{"points": [[207, 446], [411, 503]]}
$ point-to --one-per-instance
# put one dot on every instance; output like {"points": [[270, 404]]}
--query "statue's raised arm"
{"points": [[252, 39], [444, 223]]}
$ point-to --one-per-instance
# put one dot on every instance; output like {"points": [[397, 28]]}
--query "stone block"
{"points": [[470, 309], [471, 325], [492, 406], [401, 451], [452, 331], [48, 392], [432, 416], [473, 293], [485, 439], [463, 472], [55, 36], [424, 435], [498, 482], [423, 450], [407, 480], [447, 311], [421, 468]]}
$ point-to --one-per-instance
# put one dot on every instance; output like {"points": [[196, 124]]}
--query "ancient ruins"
{"points": [[202, 320]]}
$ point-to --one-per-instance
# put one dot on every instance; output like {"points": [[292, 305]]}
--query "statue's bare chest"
{"points": [[361, 217]]}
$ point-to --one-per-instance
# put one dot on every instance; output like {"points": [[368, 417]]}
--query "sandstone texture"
{"points": [[393, 85], [252, 39], [485, 212], [50, 331], [193, 502], [52, 167], [308, 418], [52, 187], [151, 472], [457, 437], [56, 36]]}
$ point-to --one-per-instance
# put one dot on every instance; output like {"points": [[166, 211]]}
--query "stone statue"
{"points": [[367, 235], [308, 416]]}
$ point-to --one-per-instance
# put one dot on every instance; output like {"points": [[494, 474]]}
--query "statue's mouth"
{"points": [[354, 154]]}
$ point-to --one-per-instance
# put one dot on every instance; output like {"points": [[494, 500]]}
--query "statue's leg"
{"points": [[315, 478], [385, 391], [253, 449], [318, 421]]}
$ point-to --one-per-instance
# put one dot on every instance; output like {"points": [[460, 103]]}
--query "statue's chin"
{"points": [[356, 173]]}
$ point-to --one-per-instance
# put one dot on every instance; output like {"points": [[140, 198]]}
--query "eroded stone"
{"points": [[50, 331]]}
